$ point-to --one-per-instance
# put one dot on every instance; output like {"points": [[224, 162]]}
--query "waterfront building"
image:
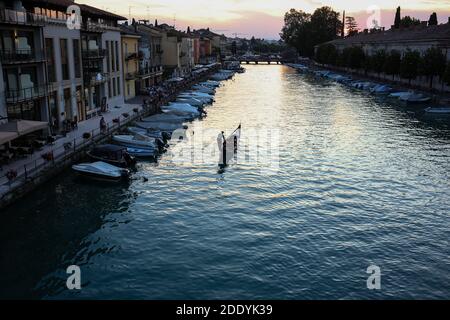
{"points": [[64, 69], [214, 45], [23, 80], [187, 60], [101, 60], [417, 38], [150, 55], [130, 60], [176, 61]]}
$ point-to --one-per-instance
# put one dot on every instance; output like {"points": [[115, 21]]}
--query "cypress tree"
{"points": [[397, 19]]}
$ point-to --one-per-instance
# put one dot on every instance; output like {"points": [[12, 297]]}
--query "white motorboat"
{"points": [[154, 134], [191, 101], [204, 90], [136, 140], [166, 127], [415, 98], [181, 109], [400, 94], [142, 152], [381, 89], [438, 110], [101, 171], [167, 117]]}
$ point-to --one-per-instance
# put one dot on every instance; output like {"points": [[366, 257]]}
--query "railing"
{"points": [[131, 75], [21, 17], [95, 78], [65, 153], [20, 55], [150, 71], [27, 94], [132, 55], [41, 163], [98, 27], [93, 54]]}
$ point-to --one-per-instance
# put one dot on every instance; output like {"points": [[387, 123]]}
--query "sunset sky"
{"points": [[264, 19]]}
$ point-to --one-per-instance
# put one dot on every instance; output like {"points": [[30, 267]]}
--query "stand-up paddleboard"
{"points": [[228, 146]]}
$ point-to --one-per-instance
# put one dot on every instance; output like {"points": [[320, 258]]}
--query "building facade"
{"points": [[130, 61]]}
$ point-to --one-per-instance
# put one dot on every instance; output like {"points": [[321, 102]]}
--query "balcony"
{"points": [[28, 94], [131, 75], [151, 71], [91, 26], [17, 56], [93, 54], [93, 79], [131, 56], [22, 18]]}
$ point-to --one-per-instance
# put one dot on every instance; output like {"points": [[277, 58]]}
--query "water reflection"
{"points": [[53, 228]]}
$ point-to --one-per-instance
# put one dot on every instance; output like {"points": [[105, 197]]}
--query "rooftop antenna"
{"points": [[174, 20]]}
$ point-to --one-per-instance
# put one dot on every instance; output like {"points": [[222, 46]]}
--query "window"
{"points": [[67, 103], [76, 57], [64, 59], [114, 88], [113, 65], [117, 56], [109, 89], [128, 89], [108, 58], [118, 86], [50, 60]]}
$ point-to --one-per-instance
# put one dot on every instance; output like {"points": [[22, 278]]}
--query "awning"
{"points": [[22, 127], [7, 137]]}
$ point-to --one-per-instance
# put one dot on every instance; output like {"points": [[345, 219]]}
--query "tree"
{"points": [[446, 75], [326, 25], [433, 64], [352, 26], [303, 31], [398, 17], [297, 31], [378, 60], [433, 19], [326, 54], [392, 63], [407, 22], [356, 58], [409, 65]]}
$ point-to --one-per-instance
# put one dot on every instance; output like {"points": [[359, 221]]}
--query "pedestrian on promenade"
{"points": [[102, 125]]}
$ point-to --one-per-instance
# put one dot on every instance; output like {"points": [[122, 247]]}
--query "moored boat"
{"points": [[101, 171], [136, 140], [112, 154], [438, 110]]}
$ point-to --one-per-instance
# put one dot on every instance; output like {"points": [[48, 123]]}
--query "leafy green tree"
{"points": [[407, 22], [378, 60], [297, 31], [409, 67], [326, 25], [446, 75], [304, 31], [326, 54], [433, 64], [355, 58], [352, 26], [392, 63]]}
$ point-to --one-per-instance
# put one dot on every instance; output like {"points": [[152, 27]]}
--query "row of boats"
{"points": [[408, 97], [149, 136]]}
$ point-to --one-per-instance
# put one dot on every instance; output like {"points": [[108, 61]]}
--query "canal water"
{"points": [[339, 181]]}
